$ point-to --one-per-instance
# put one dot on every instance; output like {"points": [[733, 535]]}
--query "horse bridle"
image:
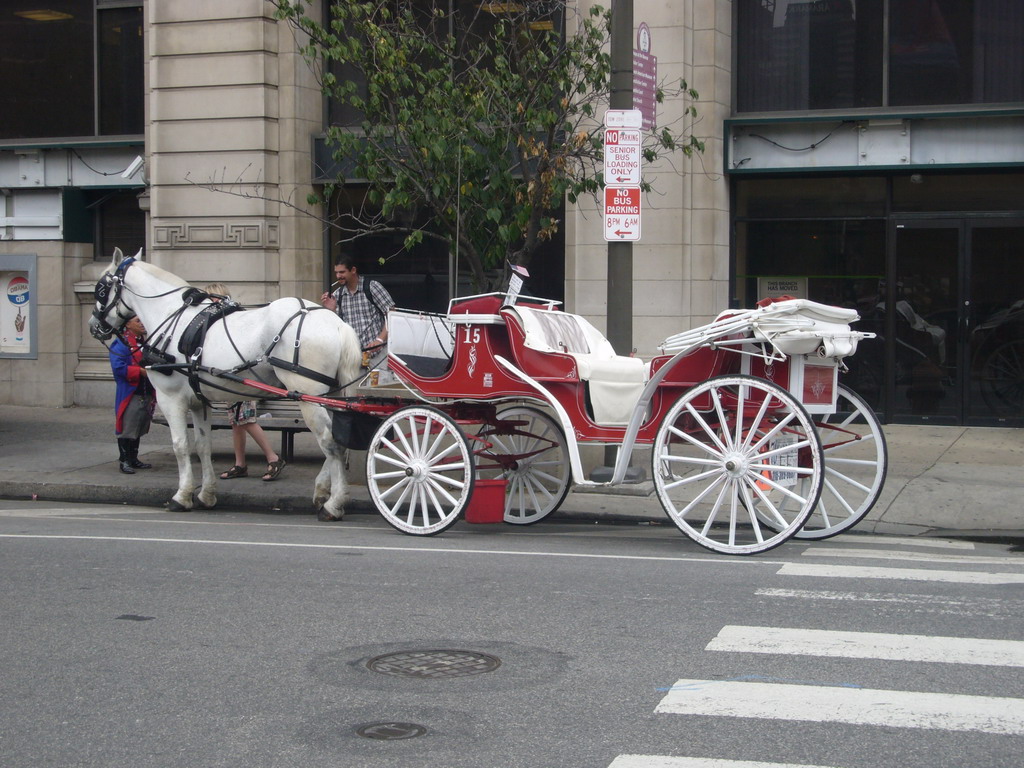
{"points": [[108, 296]]}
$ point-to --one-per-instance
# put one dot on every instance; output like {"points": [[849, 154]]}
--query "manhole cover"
{"points": [[390, 731], [433, 664]]}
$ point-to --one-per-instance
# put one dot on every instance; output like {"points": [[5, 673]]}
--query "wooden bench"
{"points": [[285, 417]]}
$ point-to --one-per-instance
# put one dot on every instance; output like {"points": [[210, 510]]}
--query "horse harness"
{"points": [[154, 350]]}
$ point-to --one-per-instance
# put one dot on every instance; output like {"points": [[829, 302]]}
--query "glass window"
{"points": [[842, 261], [829, 54], [929, 47], [46, 58], [801, 198], [417, 278], [120, 71], [120, 223], [825, 54], [49, 52], [956, 52], [968, 192]]}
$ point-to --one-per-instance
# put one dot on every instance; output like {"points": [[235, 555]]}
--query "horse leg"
{"points": [[178, 424], [207, 496], [331, 491], [322, 486]]}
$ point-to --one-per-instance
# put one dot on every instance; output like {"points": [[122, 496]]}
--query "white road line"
{"points": [[858, 706], [910, 574], [968, 606], [923, 557], [911, 541], [73, 512], [665, 761], [444, 550], [869, 645]]}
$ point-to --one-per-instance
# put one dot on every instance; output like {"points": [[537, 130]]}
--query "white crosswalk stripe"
{"points": [[857, 706], [917, 557], [869, 645], [993, 608], [819, 570], [906, 541], [663, 761]]}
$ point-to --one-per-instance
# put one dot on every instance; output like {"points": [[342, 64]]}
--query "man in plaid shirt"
{"points": [[360, 302]]}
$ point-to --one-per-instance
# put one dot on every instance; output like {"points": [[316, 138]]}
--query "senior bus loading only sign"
{"points": [[622, 174]]}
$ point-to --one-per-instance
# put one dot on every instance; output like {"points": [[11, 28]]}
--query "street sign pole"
{"points": [[620, 253]]}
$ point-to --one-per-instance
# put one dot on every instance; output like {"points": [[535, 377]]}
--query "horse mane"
{"points": [[162, 274]]}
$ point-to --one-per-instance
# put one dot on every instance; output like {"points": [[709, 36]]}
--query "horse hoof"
{"points": [[174, 506], [326, 517], [204, 505]]}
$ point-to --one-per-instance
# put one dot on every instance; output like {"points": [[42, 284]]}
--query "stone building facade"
{"points": [[854, 154], [231, 111]]}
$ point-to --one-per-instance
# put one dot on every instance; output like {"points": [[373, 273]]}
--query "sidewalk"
{"points": [[942, 480]]}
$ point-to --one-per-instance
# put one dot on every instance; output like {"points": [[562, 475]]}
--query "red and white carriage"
{"points": [[752, 440]]}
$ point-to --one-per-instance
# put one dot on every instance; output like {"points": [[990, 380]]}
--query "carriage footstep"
{"points": [[327, 517]]}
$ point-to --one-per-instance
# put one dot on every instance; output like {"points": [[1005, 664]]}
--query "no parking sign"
{"points": [[622, 213]]}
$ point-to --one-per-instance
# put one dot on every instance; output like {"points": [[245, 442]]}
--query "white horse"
{"points": [[292, 344]]}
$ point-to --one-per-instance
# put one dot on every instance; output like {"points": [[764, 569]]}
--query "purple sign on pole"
{"points": [[645, 77]]}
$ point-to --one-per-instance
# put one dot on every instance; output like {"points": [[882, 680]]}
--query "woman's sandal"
{"points": [[274, 469], [235, 471]]}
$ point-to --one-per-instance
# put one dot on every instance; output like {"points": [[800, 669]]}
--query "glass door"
{"points": [[922, 328], [994, 322]]}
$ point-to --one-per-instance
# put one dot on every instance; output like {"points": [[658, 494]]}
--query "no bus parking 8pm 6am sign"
{"points": [[621, 213]]}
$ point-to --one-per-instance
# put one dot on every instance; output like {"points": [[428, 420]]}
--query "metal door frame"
{"points": [[965, 224], [961, 224]]}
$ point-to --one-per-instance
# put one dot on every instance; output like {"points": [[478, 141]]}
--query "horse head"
{"points": [[107, 315]]}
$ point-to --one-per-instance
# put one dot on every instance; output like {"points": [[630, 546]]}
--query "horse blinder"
{"points": [[107, 294]]}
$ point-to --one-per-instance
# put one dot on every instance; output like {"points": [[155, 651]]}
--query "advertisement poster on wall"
{"points": [[17, 312]]}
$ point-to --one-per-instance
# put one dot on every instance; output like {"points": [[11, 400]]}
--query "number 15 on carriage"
{"points": [[621, 213]]}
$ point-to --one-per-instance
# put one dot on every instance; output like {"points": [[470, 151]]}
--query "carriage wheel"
{"points": [[529, 450], [856, 460], [419, 470], [732, 445]]}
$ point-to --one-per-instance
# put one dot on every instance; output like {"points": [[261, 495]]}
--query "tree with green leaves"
{"points": [[482, 117]]}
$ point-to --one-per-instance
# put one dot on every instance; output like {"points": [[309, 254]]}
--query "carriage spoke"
{"points": [[829, 471], [711, 433], [693, 479], [749, 506], [715, 506], [758, 419]]}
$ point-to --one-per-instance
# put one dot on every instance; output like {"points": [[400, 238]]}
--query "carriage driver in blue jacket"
{"points": [[361, 302]]}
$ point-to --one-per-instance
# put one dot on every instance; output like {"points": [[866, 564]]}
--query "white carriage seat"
{"points": [[614, 382], [423, 342], [803, 327]]}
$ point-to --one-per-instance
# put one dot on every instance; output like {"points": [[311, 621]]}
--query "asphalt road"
{"points": [[134, 637]]}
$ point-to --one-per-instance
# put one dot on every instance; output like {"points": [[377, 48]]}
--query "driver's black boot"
{"points": [[125, 452], [133, 456]]}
